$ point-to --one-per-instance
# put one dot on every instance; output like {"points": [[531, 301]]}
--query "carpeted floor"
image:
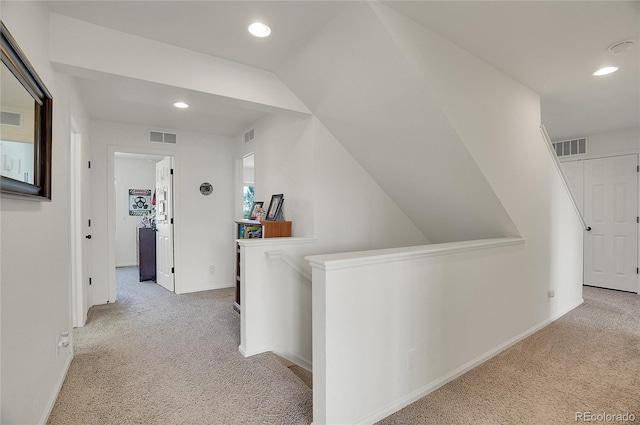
{"points": [[587, 361], [154, 357], [158, 358]]}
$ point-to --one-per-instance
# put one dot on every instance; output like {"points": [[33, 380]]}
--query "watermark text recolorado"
{"points": [[604, 417]]}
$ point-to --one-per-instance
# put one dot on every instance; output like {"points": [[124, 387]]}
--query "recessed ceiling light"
{"points": [[258, 29], [621, 47], [606, 70], [181, 105]]}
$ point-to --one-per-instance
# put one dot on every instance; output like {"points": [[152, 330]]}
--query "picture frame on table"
{"points": [[253, 215], [274, 207]]}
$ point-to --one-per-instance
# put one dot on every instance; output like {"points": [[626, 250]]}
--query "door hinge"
{"points": [[637, 270], [173, 270], [637, 219], [89, 164], [171, 172], [172, 220], [89, 223], [638, 168], [89, 281]]}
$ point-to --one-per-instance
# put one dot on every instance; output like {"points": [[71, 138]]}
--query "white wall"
{"points": [[275, 294], [615, 142], [203, 224], [335, 206], [130, 173], [36, 276], [370, 96], [328, 195], [498, 121], [453, 306]]}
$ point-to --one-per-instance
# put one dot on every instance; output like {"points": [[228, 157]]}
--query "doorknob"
{"points": [[88, 236], [588, 229]]}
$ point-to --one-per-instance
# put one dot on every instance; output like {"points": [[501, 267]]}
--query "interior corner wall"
{"points": [[35, 247], [328, 195], [130, 173], [498, 120], [203, 224]]}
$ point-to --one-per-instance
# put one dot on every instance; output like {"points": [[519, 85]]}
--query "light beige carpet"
{"points": [[154, 357], [157, 358], [587, 361]]}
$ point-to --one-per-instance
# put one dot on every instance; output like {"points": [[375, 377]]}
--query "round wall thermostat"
{"points": [[206, 188]]}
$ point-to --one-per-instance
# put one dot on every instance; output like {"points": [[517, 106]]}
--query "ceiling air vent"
{"points": [[249, 136], [160, 137], [11, 118], [571, 147]]}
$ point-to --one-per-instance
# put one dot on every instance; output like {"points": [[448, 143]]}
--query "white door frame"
{"points": [[79, 305], [111, 215]]}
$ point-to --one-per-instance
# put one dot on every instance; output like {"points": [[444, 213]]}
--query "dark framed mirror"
{"points": [[25, 126]]}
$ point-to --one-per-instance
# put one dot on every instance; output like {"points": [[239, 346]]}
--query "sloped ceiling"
{"points": [[362, 87], [550, 46]]}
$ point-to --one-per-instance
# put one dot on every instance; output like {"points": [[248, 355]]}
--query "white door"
{"points": [[574, 170], [611, 210], [164, 224]]}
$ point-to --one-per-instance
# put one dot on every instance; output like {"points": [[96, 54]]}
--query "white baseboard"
{"points": [[54, 396], [249, 353], [202, 288], [434, 385], [303, 363]]}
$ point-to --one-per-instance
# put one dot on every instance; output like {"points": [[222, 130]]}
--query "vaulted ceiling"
{"points": [[551, 47]]}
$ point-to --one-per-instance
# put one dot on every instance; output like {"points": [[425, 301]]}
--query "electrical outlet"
{"points": [[212, 269], [62, 342], [411, 358], [551, 293]]}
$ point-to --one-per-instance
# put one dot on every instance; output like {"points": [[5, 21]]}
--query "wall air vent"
{"points": [[160, 137], [571, 147], [11, 118], [249, 136]]}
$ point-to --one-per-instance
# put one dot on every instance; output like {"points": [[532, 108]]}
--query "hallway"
{"points": [[155, 357]]}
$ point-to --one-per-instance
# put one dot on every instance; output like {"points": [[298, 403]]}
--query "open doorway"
{"points": [[143, 218]]}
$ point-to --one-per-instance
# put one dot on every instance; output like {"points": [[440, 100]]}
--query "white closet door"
{"points": [[611, 210]]}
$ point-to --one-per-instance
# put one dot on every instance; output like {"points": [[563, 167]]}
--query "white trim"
{"points": [[56, 392], [255, 351], [303, 363], [429, 388], [288, 260], [274, 241], [381, 256], [563, 176], [600, 155], [205, 288], [79, 307]]}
